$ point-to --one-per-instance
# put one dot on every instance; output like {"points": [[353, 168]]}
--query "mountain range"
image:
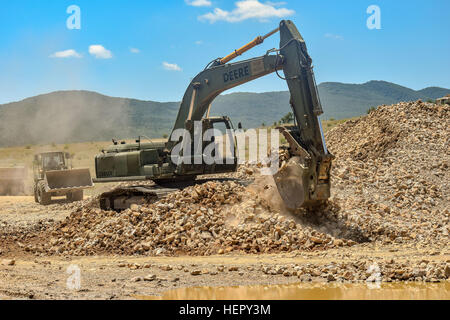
{"points": [[78, 116]]}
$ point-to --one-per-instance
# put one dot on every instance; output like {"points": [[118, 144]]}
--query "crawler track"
{"points": [[123, 197]]}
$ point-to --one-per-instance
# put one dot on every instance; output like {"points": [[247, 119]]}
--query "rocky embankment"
{"points": [[391, 173]]}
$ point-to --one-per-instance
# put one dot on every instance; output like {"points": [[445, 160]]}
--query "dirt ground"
{"points": [[130, 277]]}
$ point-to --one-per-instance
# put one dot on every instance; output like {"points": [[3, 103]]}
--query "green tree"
{"points": [[288, 118]]}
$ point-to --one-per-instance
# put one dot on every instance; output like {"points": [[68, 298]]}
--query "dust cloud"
{"points": [[63, 117], [322, 219], [264, 186]]}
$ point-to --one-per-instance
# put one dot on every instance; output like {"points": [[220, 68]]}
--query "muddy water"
{"points": [[319, 291]]}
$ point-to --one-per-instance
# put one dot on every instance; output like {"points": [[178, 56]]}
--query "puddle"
{"points": [[313, 291]]}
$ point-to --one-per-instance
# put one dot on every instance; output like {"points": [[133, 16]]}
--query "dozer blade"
{"points": [[64, 180], [289, 182]]}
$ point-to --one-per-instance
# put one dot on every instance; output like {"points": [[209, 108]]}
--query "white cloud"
{"points": [[100, 52], [198, 3], [66, 54], [248, 9], [199, 42], [275, 4], [334, 36], [171, 66], [135, 50]]}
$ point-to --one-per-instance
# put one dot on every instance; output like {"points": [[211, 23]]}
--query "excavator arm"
{"points": [[304, 179]]}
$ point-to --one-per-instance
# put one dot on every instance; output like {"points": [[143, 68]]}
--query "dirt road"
{"points": [[24, 211], [123, 277]]}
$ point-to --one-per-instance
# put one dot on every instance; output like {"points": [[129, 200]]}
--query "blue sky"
{"points": [[151, 49]]}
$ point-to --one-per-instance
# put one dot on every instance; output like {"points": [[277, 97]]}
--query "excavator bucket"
{"points": [[290, 183], [65, 180]]}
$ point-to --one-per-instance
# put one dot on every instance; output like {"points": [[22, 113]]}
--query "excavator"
{"points": [[302, 181]]}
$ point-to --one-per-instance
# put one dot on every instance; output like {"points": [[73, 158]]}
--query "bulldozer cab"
{"points": [[50, 161]]}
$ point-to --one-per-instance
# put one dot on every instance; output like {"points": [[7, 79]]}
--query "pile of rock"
{"points": [[391, 172], [212, 218]]}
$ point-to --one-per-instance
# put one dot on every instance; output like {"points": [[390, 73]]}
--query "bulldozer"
{"points": [[55, 177], [304, 181], [12, 181]]}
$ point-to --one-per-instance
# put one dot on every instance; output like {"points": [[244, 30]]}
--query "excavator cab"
{"points": [[214, 149]]}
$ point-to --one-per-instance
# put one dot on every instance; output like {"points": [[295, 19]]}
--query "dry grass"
{"points": [[83, 154]]}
